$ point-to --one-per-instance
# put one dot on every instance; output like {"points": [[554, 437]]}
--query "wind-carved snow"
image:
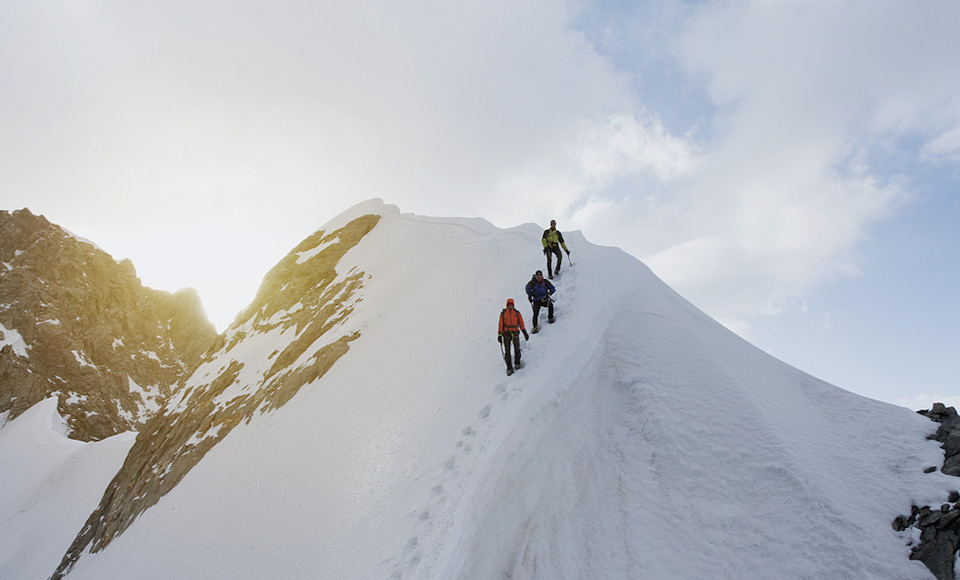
{"points": [[50, 485], [82, 359], [305, 256], [148, 403], [83, 240], [75, 399], [14, 339], [639, 440], [197, 438], [255, 352]]}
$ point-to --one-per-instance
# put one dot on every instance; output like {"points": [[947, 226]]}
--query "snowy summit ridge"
{"points": [[356, 422]]}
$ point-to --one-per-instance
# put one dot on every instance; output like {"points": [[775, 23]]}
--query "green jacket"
{"points": [[553, 238]]}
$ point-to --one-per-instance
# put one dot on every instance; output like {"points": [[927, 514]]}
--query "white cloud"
{"points": [[945, 147], [622, 146], [807, 94]]}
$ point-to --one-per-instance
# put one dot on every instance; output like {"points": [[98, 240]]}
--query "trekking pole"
{"points": [[568, 259]]}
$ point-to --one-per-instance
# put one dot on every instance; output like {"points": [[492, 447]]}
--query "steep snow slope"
{"points": [[49, 484], [641, 440]]}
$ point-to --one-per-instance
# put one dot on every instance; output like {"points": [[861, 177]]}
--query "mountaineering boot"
{"points": [[509, 371], [536, 329], [551, 319]]}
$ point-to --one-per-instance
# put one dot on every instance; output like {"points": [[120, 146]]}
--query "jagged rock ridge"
{"points": [[80, 326], [300, 304]]}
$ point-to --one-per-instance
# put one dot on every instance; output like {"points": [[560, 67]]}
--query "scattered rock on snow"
{"points": [[939, 527]]}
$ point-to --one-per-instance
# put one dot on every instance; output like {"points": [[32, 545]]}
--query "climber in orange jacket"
{"points": [[509, 330]]}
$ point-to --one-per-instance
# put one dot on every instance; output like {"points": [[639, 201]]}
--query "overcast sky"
{"points": [[791, 167]]}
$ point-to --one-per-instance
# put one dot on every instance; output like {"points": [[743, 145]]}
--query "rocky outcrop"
{"points": [[939, 527], [939, 536], [947, 433], [291, 334], [80, 326]]}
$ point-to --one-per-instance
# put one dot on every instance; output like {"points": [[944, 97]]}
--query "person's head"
{"points": [[553, 224], [509, 302], [539, 275]]}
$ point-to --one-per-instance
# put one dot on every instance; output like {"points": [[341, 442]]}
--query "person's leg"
{"points": [[549, 263], [550, 309], [516, 350], [507, 339], [536, 312], [556, 250]]}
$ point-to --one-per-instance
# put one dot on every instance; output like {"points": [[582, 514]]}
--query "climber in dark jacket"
{"points": [[538, 293]]}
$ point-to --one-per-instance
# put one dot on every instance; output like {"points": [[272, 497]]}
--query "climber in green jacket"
{"points": [[552, 242]]}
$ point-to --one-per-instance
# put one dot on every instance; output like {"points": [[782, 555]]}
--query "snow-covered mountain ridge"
{"points": [[356, 422]]}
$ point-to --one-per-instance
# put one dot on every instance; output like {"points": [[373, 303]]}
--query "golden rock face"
{"points": [[111, 350]]}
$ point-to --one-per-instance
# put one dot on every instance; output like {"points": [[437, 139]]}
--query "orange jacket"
{"points": [[511, 321]]}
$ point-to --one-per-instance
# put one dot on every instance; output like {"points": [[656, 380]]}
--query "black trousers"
{"points": [[537, 304], [514, 339], [551, 250]]}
